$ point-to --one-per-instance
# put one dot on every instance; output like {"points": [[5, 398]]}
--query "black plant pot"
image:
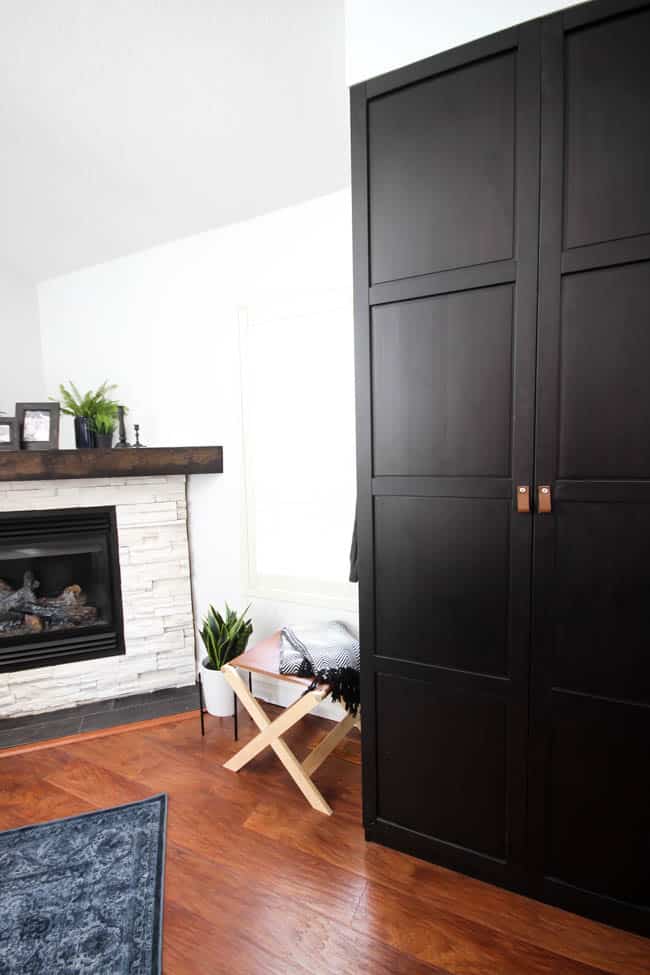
{"points": [[104, 440], [83, 433]]}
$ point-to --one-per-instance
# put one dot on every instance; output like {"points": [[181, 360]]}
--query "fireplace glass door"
{"points": [[60, 594]]}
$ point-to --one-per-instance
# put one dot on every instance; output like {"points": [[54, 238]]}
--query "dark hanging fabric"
{"points": [[344, 686], [354, 554]]}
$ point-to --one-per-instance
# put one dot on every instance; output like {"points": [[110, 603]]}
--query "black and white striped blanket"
{"points": [[327, 652]]}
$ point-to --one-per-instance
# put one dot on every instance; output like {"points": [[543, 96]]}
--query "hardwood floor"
{"points": [[256, 882]]}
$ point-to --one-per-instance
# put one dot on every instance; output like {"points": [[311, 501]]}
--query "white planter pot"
{"points": [[217, 693]]}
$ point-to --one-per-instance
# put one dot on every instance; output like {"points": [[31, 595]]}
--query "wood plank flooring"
{"points": [[258, 883]]}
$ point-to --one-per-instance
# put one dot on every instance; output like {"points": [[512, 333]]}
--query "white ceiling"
{"points": [[128, 123]]}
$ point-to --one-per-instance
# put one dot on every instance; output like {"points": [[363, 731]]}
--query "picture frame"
{"points": [[38, 425], [8, 433]]}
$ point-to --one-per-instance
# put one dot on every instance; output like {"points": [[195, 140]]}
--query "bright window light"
{"points": [[299, 448]]}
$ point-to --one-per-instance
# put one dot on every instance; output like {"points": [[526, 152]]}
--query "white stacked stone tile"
{"points": [[156, 594]]}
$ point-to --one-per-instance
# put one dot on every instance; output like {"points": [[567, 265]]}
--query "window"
{"points": [[299, 448]]}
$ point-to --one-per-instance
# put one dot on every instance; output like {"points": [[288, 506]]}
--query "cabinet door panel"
{"points": [[604, 373], [442, 380], [430, 744], [442, 168], [442, 581], [608, 130], [602, 581], [598, 829]]}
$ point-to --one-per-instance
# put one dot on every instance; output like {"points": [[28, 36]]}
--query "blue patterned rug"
{"points": [[83, 896]]}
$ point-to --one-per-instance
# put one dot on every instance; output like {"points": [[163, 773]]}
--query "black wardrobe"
{"points": [[501, 197]]}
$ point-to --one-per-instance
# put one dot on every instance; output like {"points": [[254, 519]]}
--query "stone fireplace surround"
{"points": [[156, 594]]}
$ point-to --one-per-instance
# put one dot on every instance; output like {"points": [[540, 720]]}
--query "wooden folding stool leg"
{"points": [[269, 736], [318, 755]]}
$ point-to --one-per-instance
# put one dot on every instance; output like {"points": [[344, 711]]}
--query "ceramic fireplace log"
{"points": [[67, 608]]}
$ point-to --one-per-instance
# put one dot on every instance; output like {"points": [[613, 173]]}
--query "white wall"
{"points": [[21, 366], [381, 35], [164, 325]]}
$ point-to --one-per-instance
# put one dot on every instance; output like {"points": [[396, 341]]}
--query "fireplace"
{"points": [[60, 595]]}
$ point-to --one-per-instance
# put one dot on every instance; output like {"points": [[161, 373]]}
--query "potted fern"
{"points": [[87, 409], [104, 425], [224, 638]]}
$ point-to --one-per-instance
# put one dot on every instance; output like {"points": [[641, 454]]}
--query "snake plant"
{"points": [[225, 637]]}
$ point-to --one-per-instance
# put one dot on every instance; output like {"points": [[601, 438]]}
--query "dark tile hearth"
{"points": [[97, 715]]}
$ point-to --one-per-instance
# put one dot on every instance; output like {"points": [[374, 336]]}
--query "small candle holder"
{"points": [[123, 442]]}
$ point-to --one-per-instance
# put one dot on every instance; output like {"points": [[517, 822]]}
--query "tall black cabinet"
{"points": [[501, 197]]}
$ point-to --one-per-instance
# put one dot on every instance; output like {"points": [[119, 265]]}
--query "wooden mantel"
{"points": [[45, 465]]}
